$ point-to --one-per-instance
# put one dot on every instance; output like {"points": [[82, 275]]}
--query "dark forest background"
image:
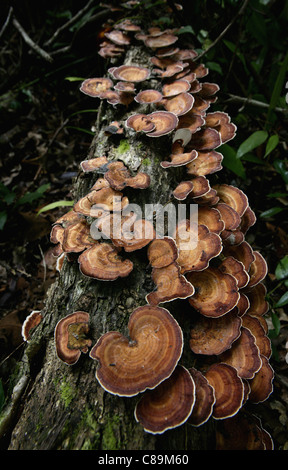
{"points": [[47, 127]]}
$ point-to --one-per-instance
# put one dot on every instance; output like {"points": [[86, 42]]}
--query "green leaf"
{"points": [[271, 212], [281, 167], [3, 219], [185, 29], [75, 79], [278, 87], [272, 143], [231, 162], [253, 141], [282, 301], [281, 271], [215, 67], [53, 205], [28, 198]]}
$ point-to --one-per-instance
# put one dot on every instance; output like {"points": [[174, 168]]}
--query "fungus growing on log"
{"points": [[169, 405], [171, 284], [95, 86], [102, 261], [30, 322], [131, 73], [162, 252], [196, 253], [229, 390], [213, 336], [71, 337], [216, 293], [119, 177], [130, 366], [205, 399]]}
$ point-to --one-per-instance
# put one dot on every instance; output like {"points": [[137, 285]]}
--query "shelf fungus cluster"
{"points": [[216, 274]]}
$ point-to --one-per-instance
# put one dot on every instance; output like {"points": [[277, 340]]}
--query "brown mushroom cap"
{"points": [[262, 340], [103, 262], [77, 237], [70, 337], [131, 73], [232, 196], [221, 122], [98, 201], [118, 37], [261, 386], [134, 235], [242, 252], [244, 355], [178, 157], [201, 186], [140, 122], [210, 217], [179, 104], [183, 189], [30, 322], [171, 284], [216, 292], [211, 336], [257, 298], [130, 366], [248, 219], [205, 399], [206, 163], [234, 267], [169, 405], [230, 217], [242, 304], [93, 164], [258, 269], [127, 87], [162, 252], [148, 96], [229, 390], [164, 121], [191, 121], [242, 432], [163, 40], [175, 88], [205, 139], [119, 177], [195, 250], [95, 86]]}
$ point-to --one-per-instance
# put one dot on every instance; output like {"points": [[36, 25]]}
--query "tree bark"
{"points": [[55, 406]]}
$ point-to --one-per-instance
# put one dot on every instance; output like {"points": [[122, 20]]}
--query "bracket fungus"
{"points": [[30, 322], [205, 399], [162, 252], [95, 86], [229, 390], [169, 405], [196, 247], [216, 293], [210, 264], [130, 73], [102, 261], [128, 366], [171, 284], [71, 337], [213, 336], [119, 177]]}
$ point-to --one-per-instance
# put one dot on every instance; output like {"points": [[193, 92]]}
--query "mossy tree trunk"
{"points": [[55, 406]]}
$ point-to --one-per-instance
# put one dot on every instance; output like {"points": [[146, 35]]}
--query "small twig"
{"points": [[6, 22], [259, 104], [69, 23], [240, 12], [30, 42]]}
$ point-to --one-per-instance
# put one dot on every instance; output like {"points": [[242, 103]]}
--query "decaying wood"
{"points": [[55, 406]]}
